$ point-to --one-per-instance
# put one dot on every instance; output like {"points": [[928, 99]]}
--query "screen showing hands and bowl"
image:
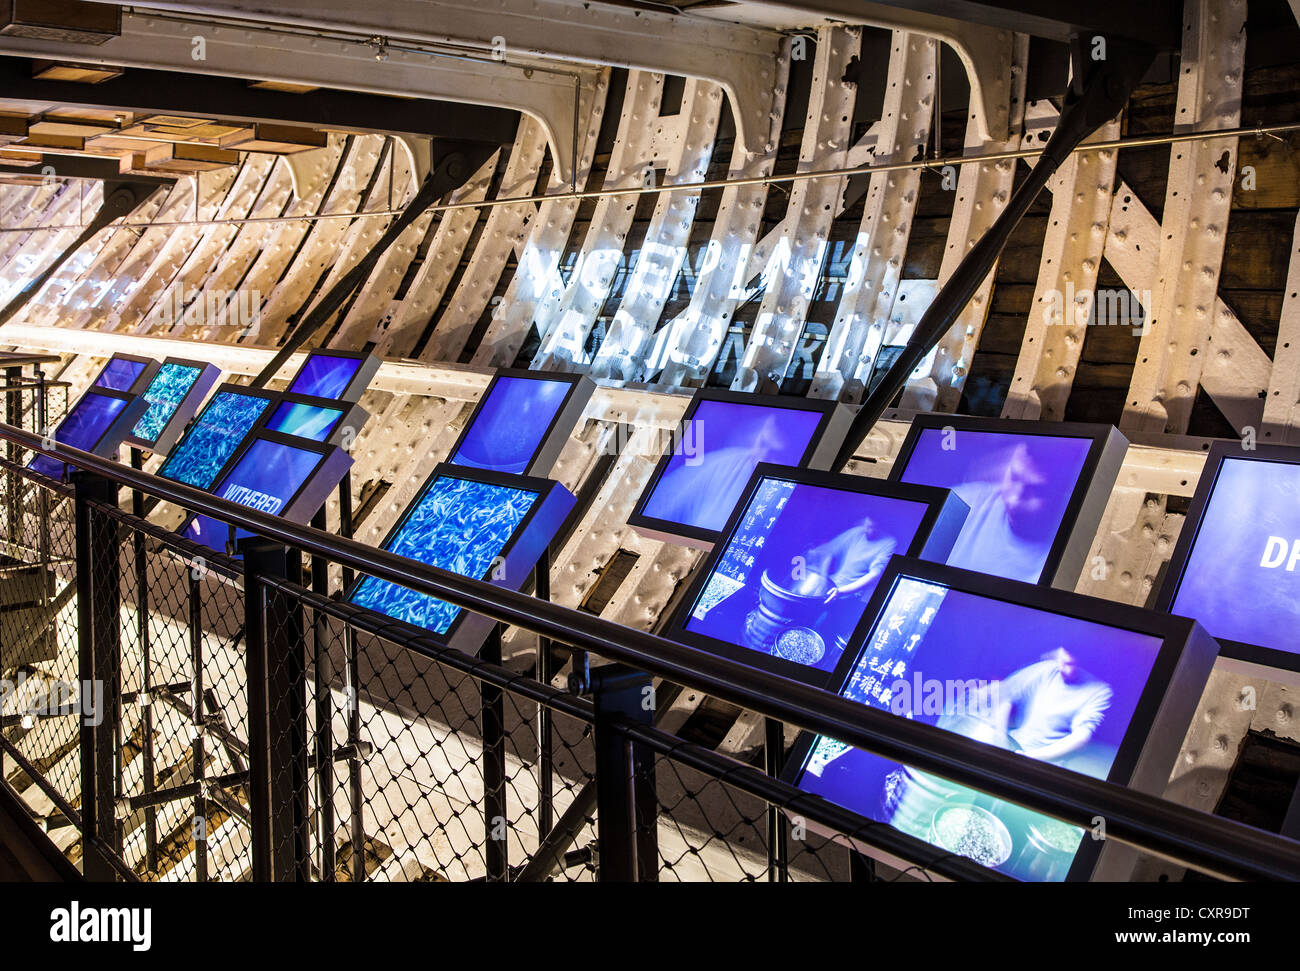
{"points": [[1018, 488], [1046, 685], [795, 575]]}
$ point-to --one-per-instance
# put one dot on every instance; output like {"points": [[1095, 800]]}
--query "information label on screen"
{"points": [[1018, 488], [797, 572], [512, 423], [460, 525], [716, 455], [1050, 687], [1242, 578], [266, 478]]}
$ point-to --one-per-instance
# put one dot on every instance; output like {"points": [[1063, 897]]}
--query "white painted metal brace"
{"points": [[982, 193], [1063, 303], [1180, 335], [792, 270], [867, 301]]}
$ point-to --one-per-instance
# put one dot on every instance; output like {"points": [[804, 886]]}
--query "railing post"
{"points": [[99, 615], [497, 845], [626, 802], [277, 715]]}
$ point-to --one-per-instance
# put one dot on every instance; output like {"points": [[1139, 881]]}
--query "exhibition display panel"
{"points": [[174, 396], [1101, 688], [276, 474], [98, 423], [722, 437], [1236, 565], [337, 375], [477, 523], [786, 585], [522, 421], [127, 372], [215, 437], [1036, 490], [318, 419]]}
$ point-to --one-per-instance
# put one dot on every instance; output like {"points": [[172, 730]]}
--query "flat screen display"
{"points": [[325, 376], [796, 573], [511, 423], [119, 374], [1048, 686], [165, 393], [1242, 578], [87, 423], [216, 434], [266, 478], [716, 455], [460, 525], [303, 420], [1018, 488]]}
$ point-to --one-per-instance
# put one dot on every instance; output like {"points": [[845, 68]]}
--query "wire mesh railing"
{"points": [[229, 717]]}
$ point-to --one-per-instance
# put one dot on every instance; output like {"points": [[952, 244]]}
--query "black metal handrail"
{"points": [[1188, 836]]}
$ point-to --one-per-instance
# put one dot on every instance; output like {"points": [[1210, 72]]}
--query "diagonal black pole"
{"points": [[1098, 92], [454, 163]]}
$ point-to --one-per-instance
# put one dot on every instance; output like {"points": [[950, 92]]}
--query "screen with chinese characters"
{"points": [[795, 575], [1047, 686]]}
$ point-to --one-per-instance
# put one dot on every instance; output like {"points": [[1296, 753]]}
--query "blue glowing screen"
{"points": [[304, 421], [86, 423], [457, 524], [213, 439], [717, 453], [1049, 687], [1242, 579], [119, 374], [1017, 487], [165, 393], [510, 426], [325, 376], [266, 478], [795, 576]]}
